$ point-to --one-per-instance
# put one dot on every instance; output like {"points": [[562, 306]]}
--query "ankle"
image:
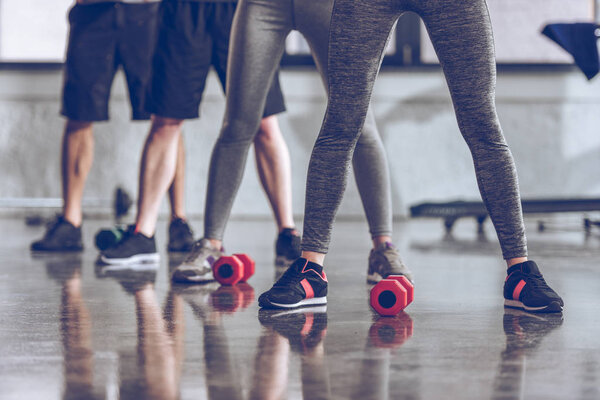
{"points": [[215, 243], [312, 256], [513, 261], [290, 229], [378, 241]]}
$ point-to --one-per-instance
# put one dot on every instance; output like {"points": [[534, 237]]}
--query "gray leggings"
{"points": [[462, 36], [257, 44]]}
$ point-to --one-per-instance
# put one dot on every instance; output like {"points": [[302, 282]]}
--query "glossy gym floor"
{"points": [[70, 329]]}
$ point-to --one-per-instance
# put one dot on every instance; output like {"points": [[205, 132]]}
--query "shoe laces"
{"points": [[196, 251], [180, 223], [53, 224], [291, 276], [537, 281]]}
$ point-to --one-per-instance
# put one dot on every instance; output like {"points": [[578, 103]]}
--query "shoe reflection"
{"points": [[302, 331], [524, 332], [385, 335], [156, 372], [75, 328], [210, 303]]}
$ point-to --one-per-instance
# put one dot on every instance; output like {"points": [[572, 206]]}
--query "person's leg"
{"points": [[157, 170], [254, 46], [181, 236], [354, 60], [369, 160], [77, 156], [180, 67], [275, 171], [89, 69], [462, 37], [177, 187]]}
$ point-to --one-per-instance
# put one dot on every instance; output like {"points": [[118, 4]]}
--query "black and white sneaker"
{"points": [[525, 288], [303, 284], [61, 235], [134, 248], [287, 247], [181, 237]]}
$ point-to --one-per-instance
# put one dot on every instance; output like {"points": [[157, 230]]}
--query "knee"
{"points": [[165, 128], [268, 132], [78, 127]]}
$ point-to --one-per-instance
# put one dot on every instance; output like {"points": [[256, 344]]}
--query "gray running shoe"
{"points": [[197, 266], [385, 261]]}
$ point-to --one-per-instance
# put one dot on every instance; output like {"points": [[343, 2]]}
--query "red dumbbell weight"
{"points": [[229, 270], [392, 295]]}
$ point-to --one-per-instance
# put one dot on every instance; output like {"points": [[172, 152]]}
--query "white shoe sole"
{"points": [[136, 259], [302, 303], [552, 307]]}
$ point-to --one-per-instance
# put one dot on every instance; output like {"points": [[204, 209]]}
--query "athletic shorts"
{"points": [[103, 37], [192, 36]]}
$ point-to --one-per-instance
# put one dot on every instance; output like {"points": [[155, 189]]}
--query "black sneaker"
{"points": [[525, 288], [134, 248], [304, 328], [385, 261], [303, 284], [181, 237], [61, 235], [287, 247]]}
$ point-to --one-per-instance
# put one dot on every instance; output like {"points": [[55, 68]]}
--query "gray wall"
{"points": [[550, 121]]}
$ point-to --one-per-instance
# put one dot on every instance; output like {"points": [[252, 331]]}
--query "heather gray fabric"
{"points": [[462, 36], [256, 46]]}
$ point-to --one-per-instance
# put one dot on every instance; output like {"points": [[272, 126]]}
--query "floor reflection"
{"points": [[301, 331], [153, 372], [524, 332], [75, 328], [386, 335]]}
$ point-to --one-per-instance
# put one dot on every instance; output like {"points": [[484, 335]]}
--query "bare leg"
{"points": [[274, 170], [77, 156], [177, 188], [157, 171]]}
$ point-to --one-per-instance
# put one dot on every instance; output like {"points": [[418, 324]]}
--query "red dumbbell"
{"points": [[392, 295], [229, 270]]}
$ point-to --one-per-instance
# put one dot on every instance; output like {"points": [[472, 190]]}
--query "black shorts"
{"points": [[192, 36], [103, 37]]}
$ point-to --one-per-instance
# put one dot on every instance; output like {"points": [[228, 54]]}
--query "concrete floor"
{"points": [[69, 329]]}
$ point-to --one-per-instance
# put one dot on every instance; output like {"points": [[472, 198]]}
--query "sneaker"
{"points": [[303, 284], [197, 266], [385, 261], [181, 237], [304, 328], [61, 235], [525, 288], [287, 247], [134, 248]]}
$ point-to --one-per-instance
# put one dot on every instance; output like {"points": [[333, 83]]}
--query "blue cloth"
{"points": [[579, 39]]}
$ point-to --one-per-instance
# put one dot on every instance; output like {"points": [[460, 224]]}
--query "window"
{"points": [[35, 31]]}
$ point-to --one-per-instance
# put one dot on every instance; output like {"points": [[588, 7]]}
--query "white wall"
{"points": [[550, 121]]}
